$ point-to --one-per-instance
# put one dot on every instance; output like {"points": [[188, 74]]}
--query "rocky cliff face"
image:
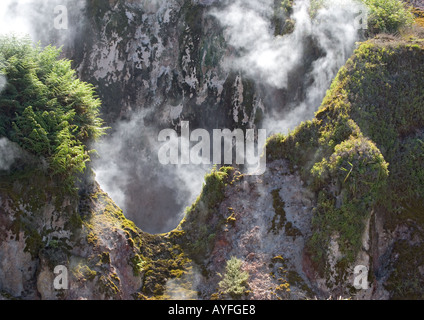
{"points": [[163, 55], [163, 59], [155, 63], [158, 63], [87, 235]]}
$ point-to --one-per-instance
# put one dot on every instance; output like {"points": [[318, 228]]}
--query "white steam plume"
{"points": [[261, 55], [152, 195], [14, 17], [38, 19], [268, 58], [185, 287], [3, 82], [9, 153]]}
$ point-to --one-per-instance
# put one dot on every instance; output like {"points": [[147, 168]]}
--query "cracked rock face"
{"points": [[152, 55], [96, 252], [17, 269], [270, 221]]}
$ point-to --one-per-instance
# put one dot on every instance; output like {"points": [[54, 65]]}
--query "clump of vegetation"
{"points": [[200, 221], [406, 281], [419, 16], [234, 281], [282, 21], [231, 220], [46, 109], [383, 16], [287, 280], [356, 171], [109, 285], [160, 263], [388, 108], [364, 148], [287, 7], [388, 16], [83, 273], [279, 221]]}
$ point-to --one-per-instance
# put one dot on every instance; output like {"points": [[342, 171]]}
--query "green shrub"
{"points": [[388, 16], [357, 166], [234, 281], [46, 109]]}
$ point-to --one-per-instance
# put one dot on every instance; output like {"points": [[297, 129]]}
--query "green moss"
{"points": [[406, 281], [287, 279], [105, 257], [28, 204], [363, 150], [107, 214], [161, 260], [279, 221], [198, 223], [294, 279], [278, 259], [75, 222], [291, 230], [109, 285], [83, 273], [33, 242], [139, 264], [419, 16], [282, 22], [231, 220], [92, 238]]}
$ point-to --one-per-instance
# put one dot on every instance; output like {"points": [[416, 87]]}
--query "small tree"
{"points": [[234, 281]]}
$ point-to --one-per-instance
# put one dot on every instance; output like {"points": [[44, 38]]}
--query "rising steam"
{"points": [[153, 195], [36, 19], [129, 155], [271, 59], [9, 153]]}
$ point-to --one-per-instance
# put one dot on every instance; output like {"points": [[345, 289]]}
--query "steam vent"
{"points": [[226, 150]]}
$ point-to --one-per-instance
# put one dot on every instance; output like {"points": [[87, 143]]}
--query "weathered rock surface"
{"points": [[94, 246], [167, 56]]}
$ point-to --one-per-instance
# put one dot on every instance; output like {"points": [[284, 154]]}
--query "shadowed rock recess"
{"points": [[344, 188]]}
